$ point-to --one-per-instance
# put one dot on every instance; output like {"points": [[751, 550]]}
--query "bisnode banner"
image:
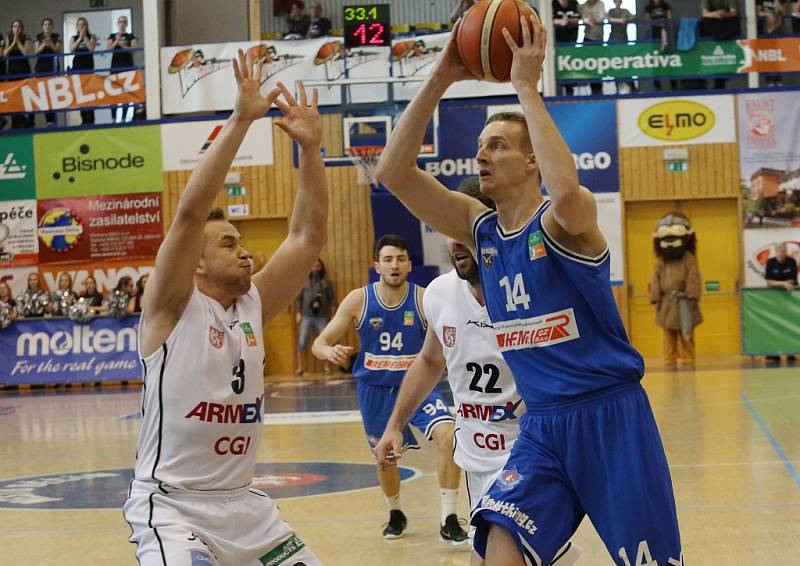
{"points": [[42, 94], [60, 351], [99, 228], [98, 162], [16, 168], [706, 58]]}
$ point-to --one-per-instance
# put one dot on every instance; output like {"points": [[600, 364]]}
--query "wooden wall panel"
{"points": [[713, 172]]}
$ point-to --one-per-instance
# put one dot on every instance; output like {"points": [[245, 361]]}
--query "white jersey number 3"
{"points": [[515, 294]]}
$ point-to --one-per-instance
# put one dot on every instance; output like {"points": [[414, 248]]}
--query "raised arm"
{"points": [[283, 276], [170, 286], [325, 346], [420, 379], [449, 212], [574, 211]]}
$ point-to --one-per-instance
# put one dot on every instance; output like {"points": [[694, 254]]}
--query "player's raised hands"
{"points": [[390, 448], [300, 120], [526, 66], [449, 64], [250, 103]]}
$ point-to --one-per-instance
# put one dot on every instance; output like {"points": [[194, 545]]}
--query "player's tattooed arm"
{"points": [[325, 347], [419, 381]]}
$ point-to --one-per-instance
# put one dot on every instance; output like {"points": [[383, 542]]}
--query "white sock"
{"points": [[449, 500], [393, 501]]}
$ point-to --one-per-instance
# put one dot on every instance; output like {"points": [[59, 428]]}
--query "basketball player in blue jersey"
{"points": [[588, 444], [391, 327]]}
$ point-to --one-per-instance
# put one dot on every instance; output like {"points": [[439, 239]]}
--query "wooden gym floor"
{"points": [[732, 434]]}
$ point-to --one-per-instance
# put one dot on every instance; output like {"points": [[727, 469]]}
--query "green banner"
{"points": [[109, 161], [647, 60], [770, 321], [17, 180]]}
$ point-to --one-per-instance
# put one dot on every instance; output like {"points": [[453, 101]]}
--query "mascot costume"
{"points": [[675, 289]]}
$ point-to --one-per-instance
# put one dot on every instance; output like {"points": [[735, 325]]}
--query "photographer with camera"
{"points": [[314, 308]]}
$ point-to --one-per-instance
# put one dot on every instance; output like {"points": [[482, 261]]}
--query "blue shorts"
{"points": [[377, 402], [600, 457]]}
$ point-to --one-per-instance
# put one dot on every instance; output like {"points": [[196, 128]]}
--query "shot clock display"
{"points": [[367, 25]]}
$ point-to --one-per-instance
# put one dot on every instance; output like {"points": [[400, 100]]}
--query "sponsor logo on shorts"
{"points": [[283, 551], [408, 318], [200, 557], [249, 335], [538, 332], [449, 335], [488, 254], [376, 323], [536, 249], [489, 413], [508, 479], [373, 362], [216, 337], [509, 510]]}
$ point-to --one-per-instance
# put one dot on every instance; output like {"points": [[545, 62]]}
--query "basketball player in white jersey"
{"points": [[460, 338], [202, 347]]}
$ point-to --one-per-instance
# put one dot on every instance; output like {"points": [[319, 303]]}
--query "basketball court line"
{"points": [[772, 440]]}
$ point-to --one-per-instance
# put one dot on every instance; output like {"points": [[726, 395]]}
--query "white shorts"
{"points": [[237, 527], [477, 484]]}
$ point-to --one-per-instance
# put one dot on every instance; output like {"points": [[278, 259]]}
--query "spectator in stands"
{"points": [[721, 22], [781, 272], [137, 297], [566, 15], [47, 45], [91, 294], [796, 17], [82, 45], [619, 18], [459, 9], [297, 21], [63, 297], [7, 300], [17, 46], [593, 14], [34, 301], [660, 12], [314, 307], [118, 302], [320, 25], [770, 22], [122, 59]]}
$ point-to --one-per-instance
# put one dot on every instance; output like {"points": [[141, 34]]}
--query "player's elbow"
{"points": [[393, 175]]}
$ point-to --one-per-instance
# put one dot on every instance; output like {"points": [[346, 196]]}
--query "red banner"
{"points": [[71, 91], [99, 228]]}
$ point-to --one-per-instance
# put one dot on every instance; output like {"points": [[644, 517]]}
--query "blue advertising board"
{"points": [[58, 350]]}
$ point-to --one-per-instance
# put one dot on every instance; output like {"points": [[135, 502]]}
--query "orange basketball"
{"points": [[480, 40]]}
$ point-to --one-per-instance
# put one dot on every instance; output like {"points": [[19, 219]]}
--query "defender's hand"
{"points": [[526, 66], [300, 121], [250, 104], [390, 448]]}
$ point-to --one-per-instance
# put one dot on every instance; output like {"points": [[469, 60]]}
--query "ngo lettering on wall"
{"points": [[84, 90], [60, 351], [769, 154], [759, 246], [99, 162], [183, 143], [99, 228], [17, 174], [651, 122], [106, 274], [19, 246]]}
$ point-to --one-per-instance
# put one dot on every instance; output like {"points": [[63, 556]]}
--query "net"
{"points": [[365, 158]]}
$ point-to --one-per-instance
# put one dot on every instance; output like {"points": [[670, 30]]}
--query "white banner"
{"points": [[759, 246], [183, 143], [647, 122], [19, 246]]}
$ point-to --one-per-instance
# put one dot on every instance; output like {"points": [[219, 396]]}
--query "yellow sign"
{"points": [[677, 120]]}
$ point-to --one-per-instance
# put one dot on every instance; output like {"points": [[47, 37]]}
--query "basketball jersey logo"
{"points": [[216, 337], [536, 249], [488, 256], [449, 335]]}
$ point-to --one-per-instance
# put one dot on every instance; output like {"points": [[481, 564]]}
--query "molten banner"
{"points": [[71, 91]]}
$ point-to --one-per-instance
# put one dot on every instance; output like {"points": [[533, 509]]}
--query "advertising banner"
{"points": [[706, 58], [183, 143], [85, 90], [648, 122], [99, 162], [769, 154], [106, 274], [17, 278], [99, 228], [759, 246], [17, 180], [18, 243], [60, 351], [770, 322]]}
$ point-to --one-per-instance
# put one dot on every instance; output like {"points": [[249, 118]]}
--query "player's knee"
{"points": [[443, 435], [501, 550]]}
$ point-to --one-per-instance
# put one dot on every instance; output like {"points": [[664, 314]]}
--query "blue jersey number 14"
{"points": [[515, 293]]}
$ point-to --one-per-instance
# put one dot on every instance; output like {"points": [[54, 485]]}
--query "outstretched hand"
{"points": [[526, 66], [449, 64], [250, 103], [389, 448], [301, 120]]}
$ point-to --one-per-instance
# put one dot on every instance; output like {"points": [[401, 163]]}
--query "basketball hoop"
{"points": [[365, 158]]}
